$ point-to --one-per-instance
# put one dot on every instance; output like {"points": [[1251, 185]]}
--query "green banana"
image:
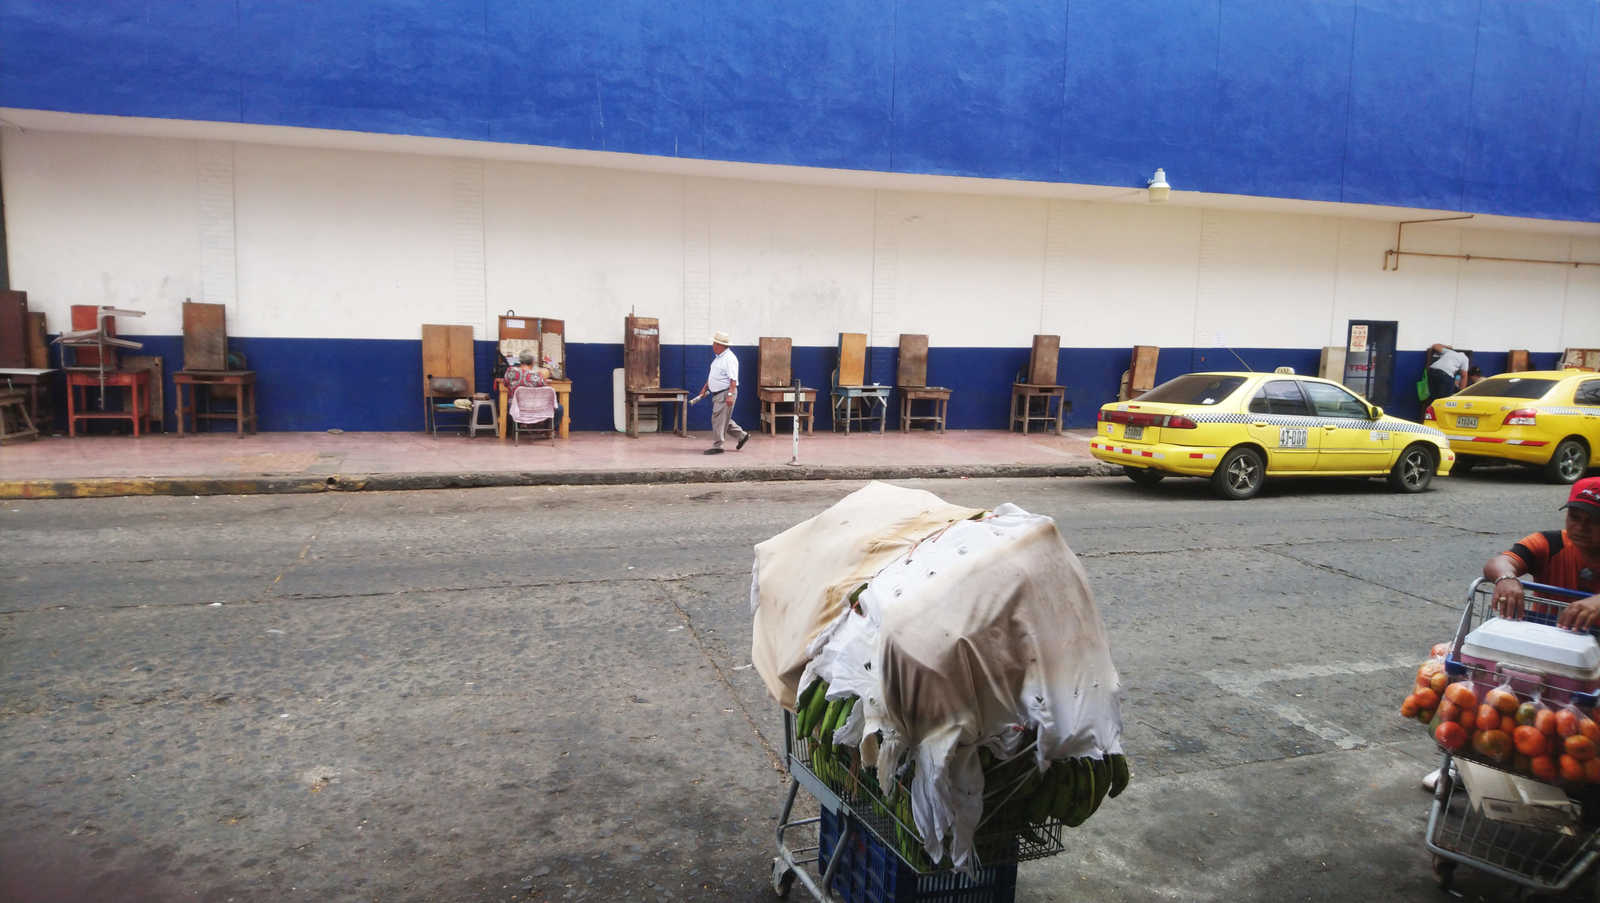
{"points": [[1083, 795], [828, 719], [1102, 782], [1043, 796], [819, 701], [844, 713], [1120, 774], [1066, 794], [805, 695], [801, 705]]}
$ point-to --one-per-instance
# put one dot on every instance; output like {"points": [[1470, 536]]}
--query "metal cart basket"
{"points": [[1538, 859], [852, 801]]}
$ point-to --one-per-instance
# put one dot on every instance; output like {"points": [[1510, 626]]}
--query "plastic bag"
{"points": [[1457, 713], [1428, 688], [1579, 738]]}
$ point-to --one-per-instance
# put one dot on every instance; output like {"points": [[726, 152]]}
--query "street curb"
{"points": [[391, 482]]}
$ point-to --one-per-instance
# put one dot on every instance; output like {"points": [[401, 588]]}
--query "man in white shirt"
{"points": [[1448, 373], [723, 385]]}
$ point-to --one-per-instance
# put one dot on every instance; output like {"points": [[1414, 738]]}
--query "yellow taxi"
{"points": [[1237, 429], [1547, 418]]}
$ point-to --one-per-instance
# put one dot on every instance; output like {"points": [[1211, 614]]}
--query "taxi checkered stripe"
{"points": [[1289, 420], [1537, 408]]}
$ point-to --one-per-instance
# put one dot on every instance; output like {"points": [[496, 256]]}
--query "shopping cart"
{"points": [[865, 849], [1537, 858]]}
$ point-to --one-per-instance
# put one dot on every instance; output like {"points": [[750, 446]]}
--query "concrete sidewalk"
{"points": [[223, 464]]}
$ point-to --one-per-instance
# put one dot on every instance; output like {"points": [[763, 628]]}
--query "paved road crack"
{"points": [[773, 755], [305, 550]]}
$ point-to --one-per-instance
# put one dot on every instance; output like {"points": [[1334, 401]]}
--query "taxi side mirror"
{"points": [[1377, 412]]}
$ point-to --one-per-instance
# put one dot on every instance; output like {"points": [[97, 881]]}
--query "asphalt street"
{"points": [[545, 693]]}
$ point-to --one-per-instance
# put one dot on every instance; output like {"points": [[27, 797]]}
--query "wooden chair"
{"points": [[1040, 384], [641, 371], [1140, 377], [775, 386], [448, 371], [851, 389], [912, 381]]}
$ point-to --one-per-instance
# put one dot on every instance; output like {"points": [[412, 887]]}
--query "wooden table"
{"points": [[941, 404], [871, 397], [35, 380], [804, 401], [244, 397], [1026, 393], [563, 389], [137, 383], [679, 397]]}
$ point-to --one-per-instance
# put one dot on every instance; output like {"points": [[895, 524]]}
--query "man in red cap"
{"points": [[1568, 558]]}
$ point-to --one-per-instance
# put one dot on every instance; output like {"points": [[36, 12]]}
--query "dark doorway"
{"points": [[1369, 358]]}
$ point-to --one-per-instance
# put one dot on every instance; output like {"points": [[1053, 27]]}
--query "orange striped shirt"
{"points": [[1553, 561]]}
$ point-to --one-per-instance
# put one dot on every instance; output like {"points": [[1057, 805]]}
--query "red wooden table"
{"points": [[137, 382]]}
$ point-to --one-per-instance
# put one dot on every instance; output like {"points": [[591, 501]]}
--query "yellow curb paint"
{"points": [[111, 488]]}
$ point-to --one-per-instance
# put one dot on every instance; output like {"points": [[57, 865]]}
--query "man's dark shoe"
{"points": [[712, 451], [742, 440]]}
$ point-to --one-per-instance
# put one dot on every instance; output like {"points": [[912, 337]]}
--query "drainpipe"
{"points": [[1391, 259], [5, 266]]}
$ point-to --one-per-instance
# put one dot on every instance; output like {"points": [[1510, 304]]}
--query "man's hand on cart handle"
{"points": [[1580, 615], [1508, 596]]}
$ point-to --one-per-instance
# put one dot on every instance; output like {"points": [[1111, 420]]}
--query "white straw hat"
{"points": [[721, 338]]}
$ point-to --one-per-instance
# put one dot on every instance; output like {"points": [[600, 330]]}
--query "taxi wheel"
{"points": [[1144, 476], [1568, 463], [1414, 471], [1240, 474]]}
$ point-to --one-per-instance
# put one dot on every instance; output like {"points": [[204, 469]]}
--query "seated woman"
{"points": [[525, 373]]}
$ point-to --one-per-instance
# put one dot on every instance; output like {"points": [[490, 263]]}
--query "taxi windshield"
{"points": [[1194, 388], [1510, 387]]}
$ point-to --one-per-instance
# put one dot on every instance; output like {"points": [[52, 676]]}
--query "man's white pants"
{"points": [[722, 419]]}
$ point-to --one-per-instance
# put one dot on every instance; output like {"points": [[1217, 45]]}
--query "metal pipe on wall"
{"points": [[1395, 254], [5, 268]]}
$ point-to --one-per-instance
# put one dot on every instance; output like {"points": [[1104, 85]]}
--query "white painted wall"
{"points": [[317, 242]]}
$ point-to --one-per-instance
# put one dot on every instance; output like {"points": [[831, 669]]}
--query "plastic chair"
{"points": [[476, 423], [530, 406]]}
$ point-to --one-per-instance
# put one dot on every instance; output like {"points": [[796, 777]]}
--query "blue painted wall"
{"points": [[315, 384], [1480, 105]]}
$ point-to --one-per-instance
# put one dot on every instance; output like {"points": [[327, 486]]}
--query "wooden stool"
{"points": [[12, 402]]}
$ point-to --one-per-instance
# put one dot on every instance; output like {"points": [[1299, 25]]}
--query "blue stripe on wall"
{"points": [[375, 384], [1411, 103]]}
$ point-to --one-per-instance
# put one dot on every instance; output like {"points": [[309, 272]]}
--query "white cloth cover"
{"points": [[532, 404], [982, 627], [803, 574]]}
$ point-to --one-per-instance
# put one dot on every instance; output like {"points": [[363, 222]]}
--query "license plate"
{"points": [[1292, 438], [1133, 432], [1467, 422]]}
